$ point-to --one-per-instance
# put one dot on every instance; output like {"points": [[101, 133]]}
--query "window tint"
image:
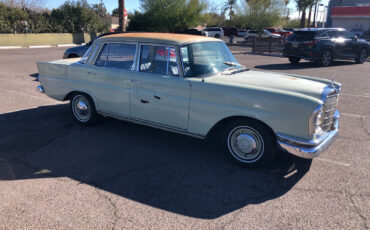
{"points": [[158, 60], [121, 56], [347, 35], [101, 59]]}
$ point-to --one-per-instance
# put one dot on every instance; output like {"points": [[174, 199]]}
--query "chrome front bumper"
{"points": [[312, 148]]}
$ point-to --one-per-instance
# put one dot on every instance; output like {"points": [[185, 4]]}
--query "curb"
{"points": [[41, 46], [10, 47], [66, 45]]}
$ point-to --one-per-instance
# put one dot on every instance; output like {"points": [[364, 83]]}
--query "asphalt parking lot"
{"points": [[55, 174]]}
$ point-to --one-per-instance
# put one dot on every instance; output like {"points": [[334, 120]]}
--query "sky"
{"points": [[132, 5]]}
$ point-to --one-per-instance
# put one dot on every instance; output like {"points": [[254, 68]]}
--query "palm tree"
{"points": [[302, 6], [230, 5]]}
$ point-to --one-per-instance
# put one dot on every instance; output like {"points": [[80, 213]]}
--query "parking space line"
{"points": [[352, 115], [333, 162], [355, 95]]}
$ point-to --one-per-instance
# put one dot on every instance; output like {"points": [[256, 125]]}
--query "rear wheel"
{"points": [[217, 36], [83, 109], [326, 58], [362, 56], [249, 143], [294, 60]]}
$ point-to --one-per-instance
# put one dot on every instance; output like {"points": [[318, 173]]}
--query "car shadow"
{"points": [[169, 171], [301, 65]]}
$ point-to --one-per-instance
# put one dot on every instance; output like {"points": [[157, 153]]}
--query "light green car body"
{"points": [[191, 106]]}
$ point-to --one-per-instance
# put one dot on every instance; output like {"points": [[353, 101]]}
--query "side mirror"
{"points": [[355, 38]]}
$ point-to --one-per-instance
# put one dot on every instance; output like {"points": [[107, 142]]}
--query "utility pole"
{"points": [[122, 21]]}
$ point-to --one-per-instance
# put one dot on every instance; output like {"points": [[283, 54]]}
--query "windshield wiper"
{"points": [[232, 69], [234, 64]]}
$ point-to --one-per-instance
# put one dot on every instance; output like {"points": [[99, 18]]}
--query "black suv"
{"points": [[324, 45]]}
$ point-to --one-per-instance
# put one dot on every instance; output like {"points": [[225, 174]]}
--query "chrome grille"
{"points": [[330, 105]]}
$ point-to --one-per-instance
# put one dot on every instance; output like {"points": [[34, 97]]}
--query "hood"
{"points": [[275, 81]]}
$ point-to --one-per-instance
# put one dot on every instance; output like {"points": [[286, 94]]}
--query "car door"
{"points": [[351, 46], [110, 74], [158, 94]]}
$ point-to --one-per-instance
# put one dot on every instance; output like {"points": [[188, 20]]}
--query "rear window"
{"points": [[301, 36]]}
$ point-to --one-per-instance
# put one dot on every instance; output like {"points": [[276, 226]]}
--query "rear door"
{"points": [[109, 77]]}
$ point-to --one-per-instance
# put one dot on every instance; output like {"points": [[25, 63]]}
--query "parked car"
{"points": [[242, 33], [194, 86], [324, 45], [215, 32], [279, 31], [79, 51], [263, 34], [192, 31], [230, 31]]}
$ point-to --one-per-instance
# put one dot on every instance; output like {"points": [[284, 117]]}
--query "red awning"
{"points": [[351, 11]]}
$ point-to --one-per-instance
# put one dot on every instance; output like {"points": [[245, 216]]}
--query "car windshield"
{"points": [[83, 60], [267, 32], [207, 58]]}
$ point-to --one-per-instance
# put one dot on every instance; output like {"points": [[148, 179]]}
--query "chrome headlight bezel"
{"points": [[315, 122]]}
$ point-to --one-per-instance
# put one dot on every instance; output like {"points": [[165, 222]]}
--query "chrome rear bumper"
{"points": [[312, 148]]}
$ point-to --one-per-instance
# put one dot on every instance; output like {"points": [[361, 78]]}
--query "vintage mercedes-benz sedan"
{"points": [[193, 85]]}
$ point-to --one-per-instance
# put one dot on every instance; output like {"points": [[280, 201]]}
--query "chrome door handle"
{"points": [[135, 82]]}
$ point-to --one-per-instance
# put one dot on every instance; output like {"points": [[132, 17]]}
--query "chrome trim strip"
{"points": [[151, 124], [311, 148]]}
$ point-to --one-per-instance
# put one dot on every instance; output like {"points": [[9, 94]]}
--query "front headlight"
{"points": [[315, 122]]}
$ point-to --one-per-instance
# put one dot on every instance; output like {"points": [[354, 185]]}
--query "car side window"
{"points": [[102, 57], [158, 60], [347, 35], [121, 56]]}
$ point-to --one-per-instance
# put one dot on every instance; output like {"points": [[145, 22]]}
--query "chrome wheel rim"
{"points": [[326, 58], [81, 108], [245, 144]]}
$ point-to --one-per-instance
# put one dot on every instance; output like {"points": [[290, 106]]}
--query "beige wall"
{"points": [[349, 23], [25, 40]]}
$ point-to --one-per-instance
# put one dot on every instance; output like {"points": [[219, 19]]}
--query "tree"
{"points": [[167, 15], [230, 5], [302, 5], [263, 13]]}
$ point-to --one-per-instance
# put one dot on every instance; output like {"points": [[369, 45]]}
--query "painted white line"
{"points": [[354, 95], [66, 45], [43, 46], [333, 162], [352, 115], [10, 47]]}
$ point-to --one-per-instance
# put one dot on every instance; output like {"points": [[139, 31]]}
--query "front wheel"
{"points": [[83, 109], [294, 60], [249, 143], [361, 58]]}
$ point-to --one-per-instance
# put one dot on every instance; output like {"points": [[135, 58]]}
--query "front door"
{"points": [[158, 94]]}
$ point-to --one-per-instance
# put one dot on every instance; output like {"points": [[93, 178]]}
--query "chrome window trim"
{"points": [[167, 46], [123, 42]]}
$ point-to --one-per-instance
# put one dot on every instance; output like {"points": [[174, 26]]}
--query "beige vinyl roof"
{"points": [[161, 37]]}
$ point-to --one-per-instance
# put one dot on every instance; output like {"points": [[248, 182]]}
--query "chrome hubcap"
{"points": [[245, 144], [81, 108]]}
